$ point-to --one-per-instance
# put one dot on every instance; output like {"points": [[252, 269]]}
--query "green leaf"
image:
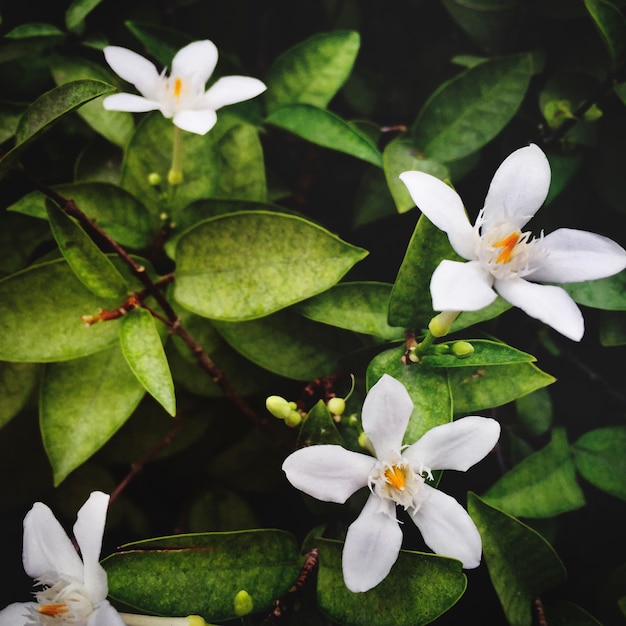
{"points": [[485, 353], [542, 485], [613, 328], [17, 381], [83, 402], [569, 614], [326, 129], [600, 456], [440, 581], [200, 574], [143, 350], [92, 267], [534, 412], [160, 42], [49, 109], [313, 71], [357, 306], [471, 318], [427, 387], [468, 111], [410, 304], [319, 428], [41, 316], [118, 213], [289, 345], [34, 29], [611, 25], [284, 259], [77, 12], [10, 114], [605, 293], [479, 388], [521, 563]]}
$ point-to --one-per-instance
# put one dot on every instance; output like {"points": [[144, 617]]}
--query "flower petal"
{"points": [[443, 206], [448, 529], [372, 545], [231, 89], [88, 530], [129, 102], [133, 68], [457, 445], [47, 548], [328, 472], [552, 305], [518, 188], [577, 255], [106, 615], [385, 415], [17, 614], [198, 57], [457, 286], [198, 122]]}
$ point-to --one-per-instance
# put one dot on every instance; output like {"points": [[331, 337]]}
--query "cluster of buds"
{"points": [[284, 410]]}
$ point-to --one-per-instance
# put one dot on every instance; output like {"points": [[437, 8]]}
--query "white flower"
{"points": [[181, 95], [73, 591], [396, 475], [501, 256]]}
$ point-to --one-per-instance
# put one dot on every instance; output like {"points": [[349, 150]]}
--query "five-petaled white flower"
{"points": [[73, 591], [501, 256], [181, 95], [396, 475]]}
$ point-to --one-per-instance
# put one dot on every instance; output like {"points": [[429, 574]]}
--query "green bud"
{"points": [[336, 406], [174, 177], [154, 179], [353, 420], [462, 349], [293, 419], [243, 603], [365, 443], [278, 407]]}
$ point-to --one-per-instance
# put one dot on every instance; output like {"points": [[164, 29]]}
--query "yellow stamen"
{"points": [[178, 87], [53, 610], [508, 245], [395, 477]]}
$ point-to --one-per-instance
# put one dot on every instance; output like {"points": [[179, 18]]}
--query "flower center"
{"points": [[395, 477], [178, 88], [64, 603], [507, 245], [53, 610]]}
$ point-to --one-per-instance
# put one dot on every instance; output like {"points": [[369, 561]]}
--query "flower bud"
{"points": [[336, 406], [462, 349], [440, 325], [243, 603], [154, 179], [174, 177], [278, 407], [365, 443], [293, 419]]}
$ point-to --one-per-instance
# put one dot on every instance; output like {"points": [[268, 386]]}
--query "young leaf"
{"points": [[542, 485], [83, 403], [281, 259], [92, 267], [200, 574], [325, 129], [312, 71], [143, 350], [521, 563], [611, 25], [440, 581], [319, 428], [468, 111]]}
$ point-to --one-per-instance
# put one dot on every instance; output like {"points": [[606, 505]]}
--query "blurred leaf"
{"points": [[221, 510], [357, 306], [604, 293], [542, 485], [611, 25], [373, 201], [143, 350], [10, 114], [485, 353], [20, 239], [160, 42], [313, 71], [479, 388], [439, 579], [48, 109], [284, 259], [428, 388], [319, 427], [184, 574], [522, 564], [83, 402], [613, 328], [534, 412], [78, 11], [600, 456], [92, 267], [326, 129], [468, 111], [34, 29], [17, 381], [569, 614]]}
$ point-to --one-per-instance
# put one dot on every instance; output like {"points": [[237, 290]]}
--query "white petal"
{"points": [[519, 187], [457, 445], [457, 286], [552, 305], [106, 615], [129, 102], [372, 545], [385, 415], [327, 472], [88, 530], [576, 255], [232, 89], [448, 529], [198, 122], [198, 57], [133, 68], [47, 548], [443, 206], [17, 614]]}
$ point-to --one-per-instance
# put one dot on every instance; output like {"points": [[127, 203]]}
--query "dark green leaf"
{"points": [[470, 318], [17, 381], [160, 42], [605, 293], [319, 428], [34, 29], [10, 115], [534, 411], [569, 614], [78, 11], [611, 25]]}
